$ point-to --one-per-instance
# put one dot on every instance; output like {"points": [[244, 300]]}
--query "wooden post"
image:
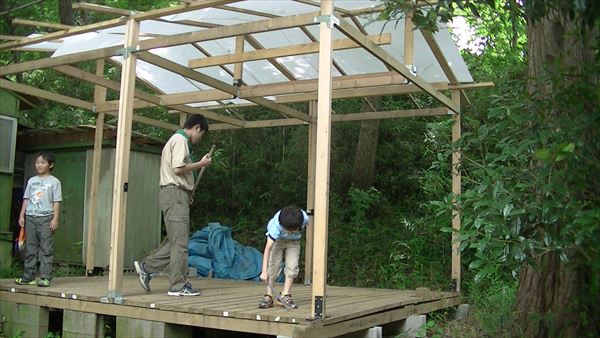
{"points": [[99, 96], [182, 118], [119, 205], [409, 39], [322, 161], [310, 194], [456, 190], [238, 67]]}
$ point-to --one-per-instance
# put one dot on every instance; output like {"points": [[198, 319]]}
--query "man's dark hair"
{"points": [[291, 218], [194, 120], [47, 156]]}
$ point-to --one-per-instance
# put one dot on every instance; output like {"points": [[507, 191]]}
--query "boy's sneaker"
{"points": [[144, 276], [287, 302], [44, 282], [24, 281], [186, 290]]}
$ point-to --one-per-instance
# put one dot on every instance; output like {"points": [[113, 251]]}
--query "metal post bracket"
{"points": [[330, 20], [128, 50]]}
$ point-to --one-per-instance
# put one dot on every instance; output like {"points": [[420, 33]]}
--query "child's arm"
{"points": [[22, 213], [54, 221], [267, 253]]}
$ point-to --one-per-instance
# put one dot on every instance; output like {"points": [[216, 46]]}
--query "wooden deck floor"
{"points": [[232, 305]]}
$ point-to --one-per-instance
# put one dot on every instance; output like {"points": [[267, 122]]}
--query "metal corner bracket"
{"points": [[330, 20], [128, 50]]}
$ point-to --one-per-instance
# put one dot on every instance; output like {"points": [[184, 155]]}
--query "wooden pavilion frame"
{"points": [[318, 93]]}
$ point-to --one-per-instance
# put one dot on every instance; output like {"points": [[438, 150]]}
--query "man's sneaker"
{"points": [[286, 301], [44, 282], [143, 274], [24, 281], [186, 290]]}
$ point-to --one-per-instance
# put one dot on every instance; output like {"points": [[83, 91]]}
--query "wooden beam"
{"points": [[60, 60], [239, 66], [122, 152], [349, 90], [21, 88], [281, 68], [409, 39], [217, 84], [310, 193], [100, 80], [322, 153], [57, 26], [352, 92], [456, 190], [230, 31], [353, 33], [12, 37], [117, 22], [208, 34], [102, 9], [380, 115], [307, 48], [99, 96], [439, 56], [150, 99]]}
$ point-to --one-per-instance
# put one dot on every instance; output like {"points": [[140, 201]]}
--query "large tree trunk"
{"points": [[65, 12], [363, 173], [547, 302]]}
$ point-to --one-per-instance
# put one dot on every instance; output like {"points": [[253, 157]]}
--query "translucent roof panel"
{"points": [[355, 61]]}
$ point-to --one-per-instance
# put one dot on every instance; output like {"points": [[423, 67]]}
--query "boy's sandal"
{"points": [[266, 302]]}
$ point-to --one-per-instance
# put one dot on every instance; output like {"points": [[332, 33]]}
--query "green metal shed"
{"points": [[10, 106], [73, 149]]}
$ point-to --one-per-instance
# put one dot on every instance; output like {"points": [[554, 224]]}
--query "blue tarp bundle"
{"points": [[212, 248]]}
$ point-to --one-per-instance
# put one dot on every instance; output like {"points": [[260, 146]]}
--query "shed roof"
{"points": [[355, 61], [218, 54]]}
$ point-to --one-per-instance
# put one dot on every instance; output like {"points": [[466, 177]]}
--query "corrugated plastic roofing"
{"points": [[353, 61]]}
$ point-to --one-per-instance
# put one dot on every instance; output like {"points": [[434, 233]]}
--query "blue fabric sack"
{"points": [[213, 248]]}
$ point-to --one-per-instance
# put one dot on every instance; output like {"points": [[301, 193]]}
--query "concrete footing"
{"points": [[129, 327], [408, 327], [374, 332], [24, 320], [83, 325], [461, 312]]}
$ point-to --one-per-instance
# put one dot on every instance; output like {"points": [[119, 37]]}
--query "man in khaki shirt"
{"points": [[177, 167]]}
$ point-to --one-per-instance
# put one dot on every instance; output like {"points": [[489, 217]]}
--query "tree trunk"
{"points": [[547, 302], [363, 173], [65, 12]]}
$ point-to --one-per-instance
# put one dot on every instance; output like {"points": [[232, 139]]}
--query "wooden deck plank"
{"points": [[222, 301]]}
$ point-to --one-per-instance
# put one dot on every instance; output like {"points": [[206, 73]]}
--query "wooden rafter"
{"points": [[353, 33], [117, 22], [99, 80], [56, 26], [439, 55], [102, 9], [44, 94], [217, 84], [262, 54], [161, 42]]}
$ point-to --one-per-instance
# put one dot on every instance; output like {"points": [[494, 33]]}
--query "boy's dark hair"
{"points": [[47, 156], [194, 120], [291, 218]]}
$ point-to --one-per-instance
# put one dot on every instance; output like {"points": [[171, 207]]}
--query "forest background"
{"points": [[530, 204]]}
